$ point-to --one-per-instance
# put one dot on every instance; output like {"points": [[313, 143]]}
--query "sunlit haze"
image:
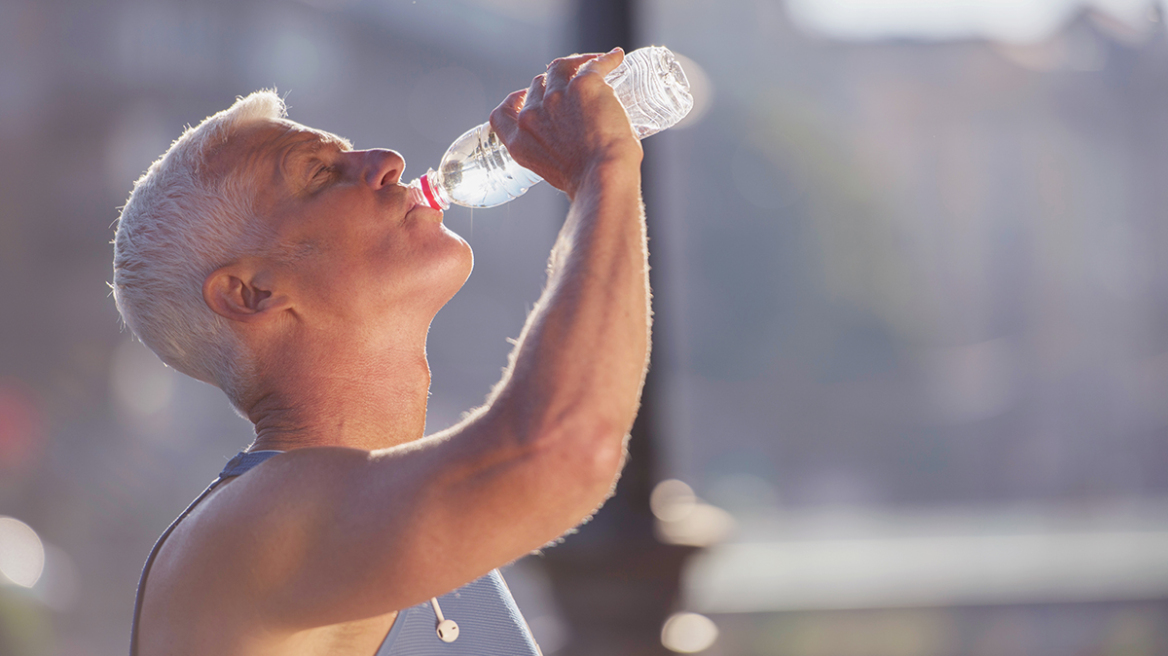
{"points": [[1008, 20]]}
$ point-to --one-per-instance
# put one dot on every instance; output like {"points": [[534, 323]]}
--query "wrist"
{"points": [[608, 172]]}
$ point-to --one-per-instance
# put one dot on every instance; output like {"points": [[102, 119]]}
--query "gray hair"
{"points": [[182, 221]]}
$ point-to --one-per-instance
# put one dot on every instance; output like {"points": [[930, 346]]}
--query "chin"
{"points": [[457, 264]]}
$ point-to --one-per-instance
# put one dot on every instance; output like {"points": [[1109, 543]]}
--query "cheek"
{"points": [[333, 287]]}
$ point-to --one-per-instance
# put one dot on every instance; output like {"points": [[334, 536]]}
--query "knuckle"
{"points": [[509, 104], [591, 75], [553, 96], [499, 117], [587, 82], [527, 120], [559, 64]]}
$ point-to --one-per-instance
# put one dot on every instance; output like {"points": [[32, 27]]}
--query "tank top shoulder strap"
{"points": [[245, 460], [240, 464]]}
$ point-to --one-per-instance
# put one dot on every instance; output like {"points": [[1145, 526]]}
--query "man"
{"points": [[297, 275]]}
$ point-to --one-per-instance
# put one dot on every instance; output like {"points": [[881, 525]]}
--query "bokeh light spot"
{"points": [[22, 555], [688, 633], [672, 500]]}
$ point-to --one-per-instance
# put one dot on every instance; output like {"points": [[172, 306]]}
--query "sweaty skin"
{"points": [[316, 551]]}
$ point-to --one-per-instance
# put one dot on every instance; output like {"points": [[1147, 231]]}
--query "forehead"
{"points": [[260, 153], [264, 141]]}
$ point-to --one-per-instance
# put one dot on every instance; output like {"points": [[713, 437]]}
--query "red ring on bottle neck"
{"points": [[428, 192]]}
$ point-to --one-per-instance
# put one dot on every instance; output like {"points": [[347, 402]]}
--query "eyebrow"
{"points": [[314, 145], [329, 139], [308, 147]]}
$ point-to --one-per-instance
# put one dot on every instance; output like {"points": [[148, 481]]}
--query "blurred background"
{"points": [[910, 387]]}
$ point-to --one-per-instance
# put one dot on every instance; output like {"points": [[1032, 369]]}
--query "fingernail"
{"points": [[614, 50]]}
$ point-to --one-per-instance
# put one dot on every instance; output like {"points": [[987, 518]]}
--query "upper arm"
{"points": [[325, 535]]}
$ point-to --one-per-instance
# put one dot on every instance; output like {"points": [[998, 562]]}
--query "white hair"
{"points": [[183, 220]]}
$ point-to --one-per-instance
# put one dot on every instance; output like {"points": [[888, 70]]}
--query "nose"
{"points": [[383, 167]]}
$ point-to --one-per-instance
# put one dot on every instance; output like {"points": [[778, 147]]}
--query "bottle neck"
{"points": [[427, 190]]}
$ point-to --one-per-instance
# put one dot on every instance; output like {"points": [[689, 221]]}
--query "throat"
{"points": [[369, 406]]}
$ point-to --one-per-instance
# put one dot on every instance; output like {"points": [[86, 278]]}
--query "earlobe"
{"points": [[234, 295]]}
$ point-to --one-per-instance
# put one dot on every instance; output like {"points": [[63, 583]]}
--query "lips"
{"points": [[425, 209]]}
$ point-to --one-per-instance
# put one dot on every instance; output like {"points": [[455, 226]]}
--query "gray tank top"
{"points": [[489, 622]]}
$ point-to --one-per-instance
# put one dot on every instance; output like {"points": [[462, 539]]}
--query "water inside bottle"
{"points": [[479, 172]]}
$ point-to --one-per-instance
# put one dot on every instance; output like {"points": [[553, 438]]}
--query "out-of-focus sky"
{"points": [[1008, 20]]}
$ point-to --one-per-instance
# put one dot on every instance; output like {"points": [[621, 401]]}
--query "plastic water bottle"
{"points": [[477, 170]]}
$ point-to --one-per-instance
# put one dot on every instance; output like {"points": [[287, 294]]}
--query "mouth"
{"points": [[415, 200], [425, 210]]}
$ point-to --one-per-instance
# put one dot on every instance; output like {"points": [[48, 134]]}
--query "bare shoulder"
{"points": [[207, 592], [238, 538], [186, 589]]}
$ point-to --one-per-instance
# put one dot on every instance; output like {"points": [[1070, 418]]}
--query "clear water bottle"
{"points": [[477, 170]]}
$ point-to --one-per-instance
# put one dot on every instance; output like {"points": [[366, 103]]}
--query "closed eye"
{"points": [[322, 174]]}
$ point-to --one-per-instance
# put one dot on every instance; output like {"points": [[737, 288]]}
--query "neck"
{"points": [[329, 395]]}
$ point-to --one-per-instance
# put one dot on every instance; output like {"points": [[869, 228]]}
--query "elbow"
{"points": [[584, 436], [592, 454], [575, 455]]}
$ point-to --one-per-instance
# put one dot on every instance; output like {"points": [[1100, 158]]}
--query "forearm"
{"points": [[582, 355], [554, 427]]}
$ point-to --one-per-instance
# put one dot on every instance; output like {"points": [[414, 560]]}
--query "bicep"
{"points": [[343, 534]]}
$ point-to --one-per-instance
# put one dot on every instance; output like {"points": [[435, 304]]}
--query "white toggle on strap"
{"points": [[447, 629]]}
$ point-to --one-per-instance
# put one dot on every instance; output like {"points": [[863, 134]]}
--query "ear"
{"points": [[235, 293]]}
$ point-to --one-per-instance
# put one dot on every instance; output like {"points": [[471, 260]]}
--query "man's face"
{"points": [[368, 255]]}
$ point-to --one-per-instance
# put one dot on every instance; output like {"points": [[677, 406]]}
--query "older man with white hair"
{"points": [[296, 274]]}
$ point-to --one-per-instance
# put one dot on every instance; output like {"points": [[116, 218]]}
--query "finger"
{"points": [[562, 70], [504, 119], [604, 64], [535, 91]]}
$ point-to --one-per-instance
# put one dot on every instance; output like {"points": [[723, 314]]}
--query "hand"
{"points": [[568, 121]]}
